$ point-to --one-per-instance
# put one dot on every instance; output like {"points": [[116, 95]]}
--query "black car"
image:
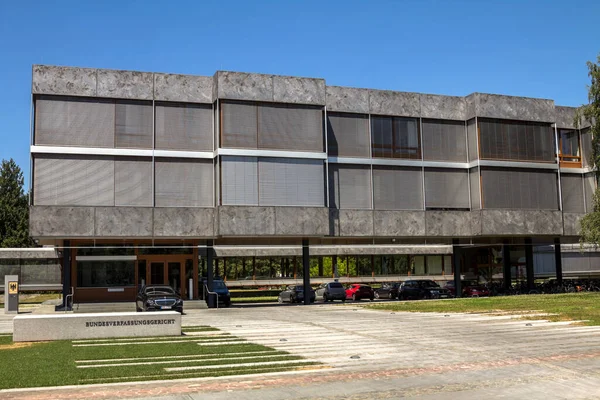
{"points": [[158, 298], [422, 289], [295, 294], [220, 288], [388, 291]]}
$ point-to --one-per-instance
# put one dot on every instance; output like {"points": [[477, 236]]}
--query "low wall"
{"points": [[32, 328]]}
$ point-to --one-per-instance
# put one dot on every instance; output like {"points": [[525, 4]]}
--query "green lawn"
{"points": [[70, 363], [566, 307]]}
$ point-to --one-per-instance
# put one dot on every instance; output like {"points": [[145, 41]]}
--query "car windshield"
{"points": [[429, 284], [164, 290], [219, 285], [336, 285]]}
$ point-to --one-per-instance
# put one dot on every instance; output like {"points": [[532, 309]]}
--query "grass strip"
{"points": [[561, 307], [205, 361], [273, 352], [262, 299]]}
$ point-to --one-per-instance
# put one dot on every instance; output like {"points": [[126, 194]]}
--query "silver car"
{"points": [[331, 291]]}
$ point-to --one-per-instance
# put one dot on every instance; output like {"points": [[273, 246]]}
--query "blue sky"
{"points": [[526, 48]]}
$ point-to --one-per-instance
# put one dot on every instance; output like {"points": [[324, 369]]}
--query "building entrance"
{"points": [[175, 271]]}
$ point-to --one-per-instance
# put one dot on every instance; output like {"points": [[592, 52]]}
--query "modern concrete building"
{"points": [[161, 178]]}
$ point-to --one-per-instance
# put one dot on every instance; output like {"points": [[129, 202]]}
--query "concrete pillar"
{"points": [[456, 259], [306, 271], [244, 267], [66, 272], [529, 263], [558, 261], [320, 266], [506, 272], [211, 301], [253, 268]]}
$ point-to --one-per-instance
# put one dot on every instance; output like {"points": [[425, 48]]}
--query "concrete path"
{"points": [[375, 354]]}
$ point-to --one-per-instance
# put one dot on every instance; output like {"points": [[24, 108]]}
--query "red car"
{"points": [[357, 292], [469, 289]]}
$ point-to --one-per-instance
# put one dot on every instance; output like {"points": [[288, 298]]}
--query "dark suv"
{"points": [[422, 289]]}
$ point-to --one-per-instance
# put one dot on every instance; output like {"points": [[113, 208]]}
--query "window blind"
{"points": [[444, 141], [398, 188], [446, 188], [184, 127], [350, 186], [348, 135]]}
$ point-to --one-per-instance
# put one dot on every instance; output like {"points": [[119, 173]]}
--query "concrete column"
{"points": [[66, 272], [558, 261], [253, 268], [306, 271], [320, 266], [334, 267], [529, 263], [243, 267], [506, 265], [209, 273], [372, 266], [456, 256]]}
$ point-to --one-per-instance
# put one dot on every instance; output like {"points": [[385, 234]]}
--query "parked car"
{"points": [[221, 290], [331, 291], [295, 294], [358, 291], [388, 291], [422, 289], [469, 289], [158, 298]]}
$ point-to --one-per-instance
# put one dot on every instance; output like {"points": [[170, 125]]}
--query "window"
{"points": [[398, 188], [446, 189], [569, 148], [348, 135], [572, 193], [349, 186], [239, 180], [184, 127], [291, 182], [133, 125], [444, 140], [395, 137], [519, 189], [184, 183], [516, 141], [105, 273]]}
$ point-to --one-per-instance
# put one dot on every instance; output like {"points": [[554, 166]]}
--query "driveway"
{"points": [[377, 354]]}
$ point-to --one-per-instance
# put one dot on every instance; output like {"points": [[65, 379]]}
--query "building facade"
{"points": [[159, 178]]}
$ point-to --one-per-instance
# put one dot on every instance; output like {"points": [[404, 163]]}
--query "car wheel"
{"points": [[377, 295], [325, 298], [354, 298], [343, 300], [391, 296], [138, 309], [279, 299], [372, 298]]}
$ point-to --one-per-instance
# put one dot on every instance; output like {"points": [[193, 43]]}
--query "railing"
{"points": [[206, 291], [67, 300]]}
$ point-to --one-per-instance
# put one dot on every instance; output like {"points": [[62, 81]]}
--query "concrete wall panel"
{"points": [[572, 223], [287, 89], [61, 222], [301, 221], [346, 99], [183, 222], [512, 107], [543, 222], [125, 84], [448, 223], [443, 107], [399, 223], [502, 222], [70, 81], [471, 106], [244, 86], [123, 222], [385, 102], [355, 223], [246, 221], [476, 228], [564, 117], [185, 88]]}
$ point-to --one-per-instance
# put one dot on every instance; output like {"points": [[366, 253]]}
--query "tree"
{"points": [[14, 208], [590, 224]]}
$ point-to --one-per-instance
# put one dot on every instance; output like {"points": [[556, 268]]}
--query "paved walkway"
{"points": [[374, 354]]}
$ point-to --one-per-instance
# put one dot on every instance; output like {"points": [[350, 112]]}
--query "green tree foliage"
{"points": [[590, 224], [14, 209]]}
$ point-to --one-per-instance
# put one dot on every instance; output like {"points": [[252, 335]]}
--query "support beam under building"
{"points": [[529, 263], [66, 270], [306, 271], [456, 257], [558, 261], [211, 301], [506, 271]]}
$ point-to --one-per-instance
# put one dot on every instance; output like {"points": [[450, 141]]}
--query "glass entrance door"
{"points": [[157, 273], [175, 276]]}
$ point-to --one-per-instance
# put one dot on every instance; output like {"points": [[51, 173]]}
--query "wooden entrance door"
{"points": [[165, 270]]}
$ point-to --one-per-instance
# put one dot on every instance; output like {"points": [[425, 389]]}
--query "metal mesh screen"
{"points": [[519, 189], [586, 145], [287, 127], [291, 182], [444, 140], [133, 181], [74, 180], [572, 193], [348, 135], [184, 183], [133, 125], [590, 187], [475, 188], [512, 140], [239, 180], [398, 188], [240, 125], [74, 122], [350, 186], [446, 188], [184, 127], [472, 139]]}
